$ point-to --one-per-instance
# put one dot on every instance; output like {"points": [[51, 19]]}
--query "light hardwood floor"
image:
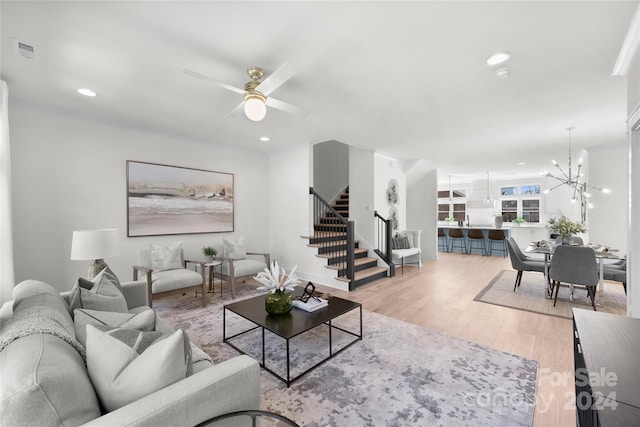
{"points": [[439, 296]]}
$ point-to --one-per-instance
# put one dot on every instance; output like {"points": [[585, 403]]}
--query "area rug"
{"points": [[399, 374], [531, 296]]}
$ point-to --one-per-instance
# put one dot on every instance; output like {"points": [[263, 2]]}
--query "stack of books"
{"points": [[312, 304]]}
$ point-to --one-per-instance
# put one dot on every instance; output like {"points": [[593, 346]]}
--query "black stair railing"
{"points": [[383, 246], [333, 234]]}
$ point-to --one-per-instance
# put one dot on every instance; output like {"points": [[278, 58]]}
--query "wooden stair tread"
{"points": [[330, 244], [341, 253], [363, 274], [356, 262]]}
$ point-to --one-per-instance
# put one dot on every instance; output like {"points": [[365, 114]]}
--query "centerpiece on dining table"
{"points": [[279, 300], [565, 228]]}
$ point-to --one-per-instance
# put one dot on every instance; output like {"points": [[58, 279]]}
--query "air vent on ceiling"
{"points": [[25, 50]]}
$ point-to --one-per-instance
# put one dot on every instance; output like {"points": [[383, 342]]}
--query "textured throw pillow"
{"points": [[235, 249], [144, 321], [101, 294], [112, 277], [400, 242], [125, 365], [166, 257]]}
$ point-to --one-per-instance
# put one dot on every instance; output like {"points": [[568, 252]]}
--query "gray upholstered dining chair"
{"points": [[576, 265], [520, 262], [616, 272]]}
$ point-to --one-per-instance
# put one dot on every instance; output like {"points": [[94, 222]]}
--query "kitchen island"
{"points": [[523, 234]]}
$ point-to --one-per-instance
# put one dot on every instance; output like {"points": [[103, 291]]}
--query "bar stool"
{"points": [[455, 234], [475, 235], [497, 236], [442, 243]]}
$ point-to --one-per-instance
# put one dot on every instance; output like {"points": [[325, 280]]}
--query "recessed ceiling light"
{"points": [[264, 138], [522, 163], [503, 73], [498, 58], [87, 92]]}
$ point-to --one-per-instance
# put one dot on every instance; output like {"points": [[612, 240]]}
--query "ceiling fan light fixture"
{"points": [[254, 106]]}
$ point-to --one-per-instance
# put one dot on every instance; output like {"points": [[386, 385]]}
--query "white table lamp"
{"points": [[94, 245]]}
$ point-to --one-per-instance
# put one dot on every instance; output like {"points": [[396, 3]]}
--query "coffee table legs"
{"points": [[288, 380]]}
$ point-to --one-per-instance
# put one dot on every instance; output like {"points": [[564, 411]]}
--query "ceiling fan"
{"points": [[256, 93]]}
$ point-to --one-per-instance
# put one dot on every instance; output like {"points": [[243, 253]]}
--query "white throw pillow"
{"points": [[101, 294], [143, 321], [235, 249], [123, 371], [166, 257]]}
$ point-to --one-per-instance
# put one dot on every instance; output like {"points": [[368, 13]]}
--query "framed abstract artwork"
{"points": [[163, 199]]}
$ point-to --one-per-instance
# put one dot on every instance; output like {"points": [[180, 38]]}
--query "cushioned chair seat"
{"points": [[170, 280], [403, 253], [244, 267]]}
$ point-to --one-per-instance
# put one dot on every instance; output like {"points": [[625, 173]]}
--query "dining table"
{"points": [[602, 252]]}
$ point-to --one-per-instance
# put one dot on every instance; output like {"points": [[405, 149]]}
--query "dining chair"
{"points": [[575, 265], [616, 272], [497, 236], [475, 235], [520, 262]]}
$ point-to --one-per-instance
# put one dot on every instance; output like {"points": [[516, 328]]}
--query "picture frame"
{"points": [[166, 200]]}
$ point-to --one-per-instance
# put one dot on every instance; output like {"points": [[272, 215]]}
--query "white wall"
{"points": [[384, 171], [608, 220], [330, 169], [633, 266], [70, 174], [422, 200], [361, 194]]}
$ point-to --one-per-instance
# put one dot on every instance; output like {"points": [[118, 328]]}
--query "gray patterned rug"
{"points": [[399, 374], [532, 296]]}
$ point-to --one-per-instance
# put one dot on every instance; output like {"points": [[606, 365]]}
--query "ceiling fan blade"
{"points": [[281, 105], [277, 78], [236, 111], [209, 79]]}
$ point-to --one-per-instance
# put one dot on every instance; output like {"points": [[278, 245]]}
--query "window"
{"points": [[509, 210], [516, 202], [508, 191], [531, 210], [452, 204]]}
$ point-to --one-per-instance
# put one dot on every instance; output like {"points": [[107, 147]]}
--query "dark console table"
{"points": [[607, 369]]}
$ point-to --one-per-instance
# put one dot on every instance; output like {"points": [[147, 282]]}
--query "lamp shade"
{"points": [[254, 108], [94, 244]]}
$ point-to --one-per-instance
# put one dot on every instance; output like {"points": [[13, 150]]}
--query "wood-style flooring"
{"points": [[439, 296]]}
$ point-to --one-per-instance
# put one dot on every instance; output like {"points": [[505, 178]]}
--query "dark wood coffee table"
{"points": [[291, 325]]}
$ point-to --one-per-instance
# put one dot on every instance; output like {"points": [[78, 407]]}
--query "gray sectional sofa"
{"points": [[45, 380]]}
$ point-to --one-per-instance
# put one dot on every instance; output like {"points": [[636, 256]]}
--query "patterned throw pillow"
{"points": [[166, 257], [144, 321], [101, 294], [125, 365], [401, 242], [235, 249]]}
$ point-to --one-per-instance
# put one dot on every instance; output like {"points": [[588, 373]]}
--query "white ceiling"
{"points": [[406, 78]]}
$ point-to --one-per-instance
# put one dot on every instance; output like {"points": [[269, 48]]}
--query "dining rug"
{"points": [[532, 295], [400, 374]]}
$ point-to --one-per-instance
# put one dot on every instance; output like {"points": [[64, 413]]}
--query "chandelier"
{"points": [[576, 182]]}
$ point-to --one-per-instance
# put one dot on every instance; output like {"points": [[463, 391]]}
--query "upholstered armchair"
{"points": [[166, 272], [405, 248], [237, 263]]}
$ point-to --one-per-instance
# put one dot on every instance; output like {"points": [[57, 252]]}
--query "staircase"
{"points": [[330, 240]]}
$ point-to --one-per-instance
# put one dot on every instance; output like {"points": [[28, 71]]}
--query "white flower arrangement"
{"points": [[275, 280]]}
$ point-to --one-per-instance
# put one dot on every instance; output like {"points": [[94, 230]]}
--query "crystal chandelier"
{"points": [[576, 182]]}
